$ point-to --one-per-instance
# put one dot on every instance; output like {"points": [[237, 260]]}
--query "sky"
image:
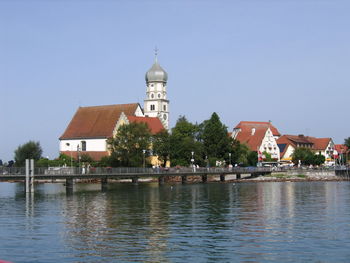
{"points": [[253, 60]]}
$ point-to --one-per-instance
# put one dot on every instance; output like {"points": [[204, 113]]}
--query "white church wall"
{"points": [[98, 145]]}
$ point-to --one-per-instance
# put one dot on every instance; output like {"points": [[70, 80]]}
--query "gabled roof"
{"points": [[320, 143], [153, 123], [96, 121], [294, 140], [252, 140], [245, 125]]}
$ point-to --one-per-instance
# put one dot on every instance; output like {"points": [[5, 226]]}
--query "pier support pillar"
{"points": [[183, 179], [69, 185], [222, 178], [104, 184], [161, 179], [204, 178], [238, 176], [135, 180]]}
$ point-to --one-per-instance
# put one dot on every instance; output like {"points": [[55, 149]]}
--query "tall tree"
{"points": [[161, 146], [29, 150], [215, 137], [128, 145], [183, 142]]}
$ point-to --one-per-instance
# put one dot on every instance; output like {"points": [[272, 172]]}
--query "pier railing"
{"points": [[129, 170]]}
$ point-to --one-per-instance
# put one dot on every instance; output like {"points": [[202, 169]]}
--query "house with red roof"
{"points": [[288, 143], [90, 127], [258, 136]]}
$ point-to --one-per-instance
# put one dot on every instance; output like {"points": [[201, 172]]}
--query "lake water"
{"points": [[213, 222]]}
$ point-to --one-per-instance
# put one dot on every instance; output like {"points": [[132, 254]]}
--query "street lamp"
{"points": [[229, 155], [192, 160], [78, 150], [144, 152], [71, 158]]}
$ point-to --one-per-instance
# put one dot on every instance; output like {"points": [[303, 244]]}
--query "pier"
{"points": [[29, 174]]}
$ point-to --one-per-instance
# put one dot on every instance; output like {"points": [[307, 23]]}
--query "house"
{"points": [[90, 127], [258, 136], [288, 143], [341, 152]]}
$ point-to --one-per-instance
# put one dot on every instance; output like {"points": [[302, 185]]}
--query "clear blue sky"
{"points": [[284, 61]]}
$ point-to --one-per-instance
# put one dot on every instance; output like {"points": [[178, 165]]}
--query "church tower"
{"points": [[156, 103]]}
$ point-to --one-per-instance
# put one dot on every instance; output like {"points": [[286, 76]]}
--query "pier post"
{"points": [[161, 179], [104, 184], [183, 179], [29, 182], [31, 175], [69, 185], [204, 178], [26, 186], [238, 176], [222, 178], [135, 180]]}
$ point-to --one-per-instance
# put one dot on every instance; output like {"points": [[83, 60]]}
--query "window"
{"points": [[153, 107], [83, 146], [164, 107], [164, 116], [158, 95], [152, 95]]}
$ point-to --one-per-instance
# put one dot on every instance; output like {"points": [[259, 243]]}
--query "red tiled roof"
{"points": [[341, 148], [253, 141], [96, 156], [316, 143], [294, 140], [96, 121], [258, 125], [153, 123], [319, 143]]}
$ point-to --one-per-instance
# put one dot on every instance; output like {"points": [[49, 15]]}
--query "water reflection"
{"points": [[178, 223]]}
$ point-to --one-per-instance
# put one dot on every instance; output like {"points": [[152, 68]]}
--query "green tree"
{"points": [[183, 140], [347, 142], [307, 157], [161, 146], [128, 145], [29, 150], [214, 137], [267, 157]]}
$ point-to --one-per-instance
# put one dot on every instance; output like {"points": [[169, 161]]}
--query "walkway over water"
{"points": [[70, 173]]}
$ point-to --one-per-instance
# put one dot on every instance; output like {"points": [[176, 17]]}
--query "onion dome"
{"points": [[156, 74]]}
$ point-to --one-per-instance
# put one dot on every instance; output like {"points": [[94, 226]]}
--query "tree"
{"points": [[214, 137], [267, 157], [307, 157], [161, 146], [128, 145], [347, 142], [183, 141], [29, 150]]}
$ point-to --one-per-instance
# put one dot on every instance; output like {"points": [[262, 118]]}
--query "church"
{"points": [[90, 127]]}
